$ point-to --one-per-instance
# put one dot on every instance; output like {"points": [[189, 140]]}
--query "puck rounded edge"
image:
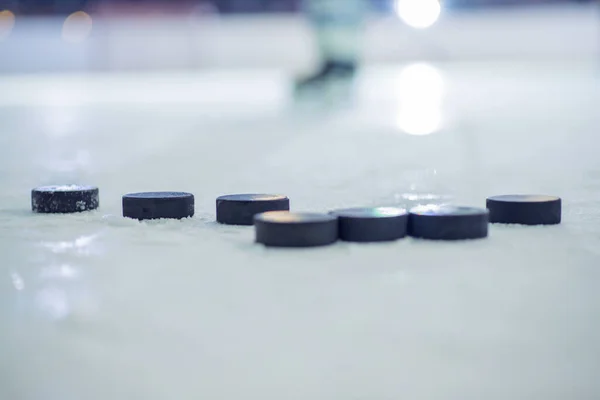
{"points": [[448, 222], [64, 199], [525, 209], [240, 209], [287, 229], [158, 205], [371, 224]]}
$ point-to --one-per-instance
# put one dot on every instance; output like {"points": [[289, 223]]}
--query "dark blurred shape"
{"points": [[256, 6], [43, 7], [65, 7]]}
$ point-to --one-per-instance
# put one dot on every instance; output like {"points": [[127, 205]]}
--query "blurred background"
{"points": [[102, 35]]}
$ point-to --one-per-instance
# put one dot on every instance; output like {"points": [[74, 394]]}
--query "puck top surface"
{"points": [[157, 195], [446, 211], [252, 197], [64, 188], [524, 198], [370, 212], [286, 217]]}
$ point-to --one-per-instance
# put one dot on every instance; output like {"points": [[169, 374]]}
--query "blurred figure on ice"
{"points": [[338, 27]]}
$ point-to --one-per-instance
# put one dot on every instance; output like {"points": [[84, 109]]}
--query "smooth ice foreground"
{"points": [[97, 307]]}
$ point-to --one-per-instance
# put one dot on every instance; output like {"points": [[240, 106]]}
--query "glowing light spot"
{"points": [[420, 121], [7, 23], [421, 197], [418, 13], [77, 27], [420, 94]]}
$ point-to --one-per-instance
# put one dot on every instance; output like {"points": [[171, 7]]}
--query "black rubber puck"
{"points": [[286, 229], [240, 209], [378, 224], [155, 205], [525, 209], [448, 222], [64, 199]]}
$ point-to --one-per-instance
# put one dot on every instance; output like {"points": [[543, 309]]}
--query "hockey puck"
{"points": [[64, 199], [524, 209], [156, 205], [240, 209], [379, 224], [286, 229], [448, 222]]}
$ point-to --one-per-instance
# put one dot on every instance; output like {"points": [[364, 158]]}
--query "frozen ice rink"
{"points": [[96, 307]]}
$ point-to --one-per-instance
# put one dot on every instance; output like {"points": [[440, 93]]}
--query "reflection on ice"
{"points": [[420, 91], [79, 245], [419, 121], [421, 196], [61, 292], [64, 271], [17, 281], [53, 301]]}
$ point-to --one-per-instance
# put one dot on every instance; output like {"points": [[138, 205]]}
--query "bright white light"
{"points": [[419, 122], [418, 13], [421, 83], [420, 92]]}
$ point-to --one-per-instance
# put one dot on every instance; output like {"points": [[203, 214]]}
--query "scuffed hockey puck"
{"points": [[525, 209], [378, 224], [448, 222], [240, 209], [155, 205], [64, 199], [286, 229]]}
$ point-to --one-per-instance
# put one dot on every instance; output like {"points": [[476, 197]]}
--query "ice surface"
{"points": [[97, 307]]}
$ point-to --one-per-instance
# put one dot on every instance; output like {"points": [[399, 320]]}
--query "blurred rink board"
{"points": [[202, 39]]}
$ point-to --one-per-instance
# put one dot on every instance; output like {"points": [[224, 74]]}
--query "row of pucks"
{"points": [[366, 224], [276, 227], [378, 224], [302, 229]]}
